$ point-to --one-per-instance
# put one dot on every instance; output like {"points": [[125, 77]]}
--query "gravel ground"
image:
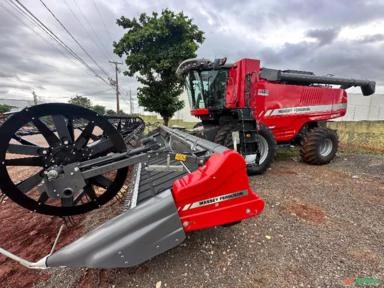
{"points": [[322, 227]]}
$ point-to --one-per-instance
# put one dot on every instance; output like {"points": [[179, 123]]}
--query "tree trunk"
{"points": [[166, 120]]}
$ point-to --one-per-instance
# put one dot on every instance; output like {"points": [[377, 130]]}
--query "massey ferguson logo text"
{"points": [[213, 200]]}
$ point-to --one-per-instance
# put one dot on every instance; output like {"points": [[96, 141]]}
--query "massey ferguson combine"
{"points": [[250, 109], [63, 160]]}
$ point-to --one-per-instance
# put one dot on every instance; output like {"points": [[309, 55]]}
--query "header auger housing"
{"points": [[251, 109]]}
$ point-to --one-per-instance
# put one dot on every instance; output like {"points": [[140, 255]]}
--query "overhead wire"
{"points": [[73, 38], [102, 21], [22, 19], [97, 43], [90, 25], [85, 19], [22, 16], [18, 5], [33, 19]]}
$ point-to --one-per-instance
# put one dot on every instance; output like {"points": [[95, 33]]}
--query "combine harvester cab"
{"points": [[182, 183]]}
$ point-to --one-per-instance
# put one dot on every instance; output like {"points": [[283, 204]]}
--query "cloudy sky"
{"points": [[340, 37]]}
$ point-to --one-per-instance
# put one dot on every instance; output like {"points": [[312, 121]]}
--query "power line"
{"points": [[102, 20], [90, 25], [37, 32], [42, 26], [86, 30], [73, 38], [33, 21], [33, 30]]}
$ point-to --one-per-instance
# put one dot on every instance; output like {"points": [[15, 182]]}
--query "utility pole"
{"points": [[34, 97], [130, 102], [116, 83]]}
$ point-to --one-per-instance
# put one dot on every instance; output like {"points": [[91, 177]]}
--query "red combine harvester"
{"points": [[250, 109]]}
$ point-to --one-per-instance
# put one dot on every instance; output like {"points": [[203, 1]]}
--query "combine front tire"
{"points": [[267, 147], [319, 146], [266, 142]]}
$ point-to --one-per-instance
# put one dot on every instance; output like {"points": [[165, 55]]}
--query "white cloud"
{"points": [[275, 31], [359, 32]]}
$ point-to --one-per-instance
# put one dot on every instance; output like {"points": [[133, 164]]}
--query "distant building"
{"points": [[185, 113], [364, 108]]}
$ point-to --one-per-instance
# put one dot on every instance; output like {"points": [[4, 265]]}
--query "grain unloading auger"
{"points": [[183, 183]]}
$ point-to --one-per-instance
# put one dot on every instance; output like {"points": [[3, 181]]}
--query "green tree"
{"points": [[122, 113], [85, 102], [4, 108], [81, 101], [154, 46], [110, 112], [99, 109]]}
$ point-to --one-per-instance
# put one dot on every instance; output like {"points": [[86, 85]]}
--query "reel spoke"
{"points": [[24, 149], [85, 135], [71, 128], [101, 181], [43, 198], [46, 132], [29, 161], [101, 146], [23, 141], [90, 192], [62, 128], [29, 183]]}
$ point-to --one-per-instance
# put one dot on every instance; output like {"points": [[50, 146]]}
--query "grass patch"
{"points": [[153, 121], [285, 153], [360, 136]]}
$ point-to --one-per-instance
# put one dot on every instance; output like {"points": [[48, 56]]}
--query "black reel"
{"points": [[38, 147]]}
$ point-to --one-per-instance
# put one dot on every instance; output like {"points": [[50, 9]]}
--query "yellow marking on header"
{"points": [[181, 157]]}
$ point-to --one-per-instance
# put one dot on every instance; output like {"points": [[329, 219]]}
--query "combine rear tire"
{"points": [[319, 146], [266, 142]]}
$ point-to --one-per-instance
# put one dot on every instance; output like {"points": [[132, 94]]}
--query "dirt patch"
{"points": [[91, 278], [358, 253], [286, 172], [295, 254], [30, 236], [306, 212]]}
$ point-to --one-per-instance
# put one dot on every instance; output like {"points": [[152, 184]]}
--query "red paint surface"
{"points": [[280, 96], [222, 174]]}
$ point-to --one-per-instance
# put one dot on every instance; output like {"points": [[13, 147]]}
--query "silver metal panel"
{"points": [[194, 141], [129, 239]]}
